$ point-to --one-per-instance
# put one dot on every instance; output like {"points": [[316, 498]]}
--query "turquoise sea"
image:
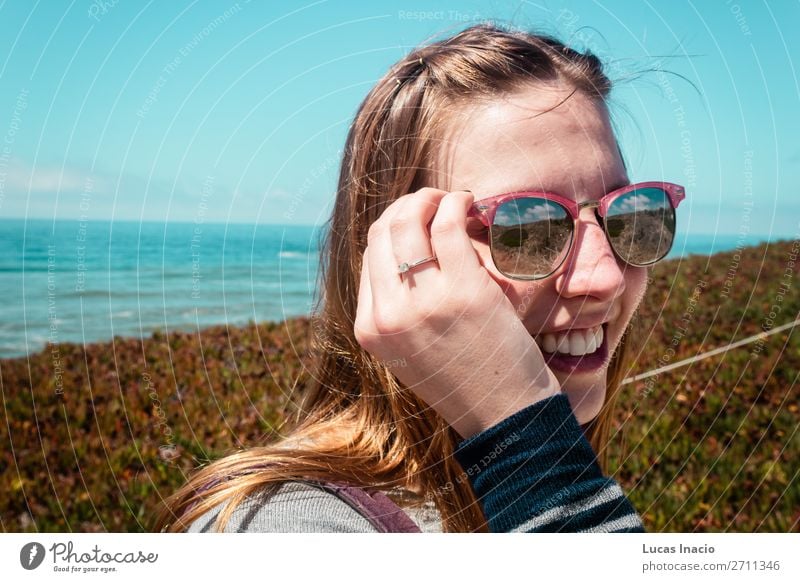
{"points": [[89, 281]]}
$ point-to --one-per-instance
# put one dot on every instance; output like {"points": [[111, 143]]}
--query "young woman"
{"points": [[485, 256]]}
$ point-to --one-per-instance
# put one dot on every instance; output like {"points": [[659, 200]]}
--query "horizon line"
{"points": [[320, 225]]}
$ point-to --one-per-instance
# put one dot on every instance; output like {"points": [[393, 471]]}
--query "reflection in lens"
{"points": [[530, 237], [641, 225]]}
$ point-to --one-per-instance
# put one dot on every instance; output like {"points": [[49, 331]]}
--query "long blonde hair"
{"points": [[357, 423]]}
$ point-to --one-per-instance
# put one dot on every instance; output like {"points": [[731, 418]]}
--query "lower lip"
{"points": [[577, 364]]}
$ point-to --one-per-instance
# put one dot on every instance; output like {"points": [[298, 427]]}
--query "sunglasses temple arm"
{"points": [[480, 214]]}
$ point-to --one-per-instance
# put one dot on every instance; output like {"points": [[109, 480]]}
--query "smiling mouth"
{"points": [[577, 342], [577, 351]]}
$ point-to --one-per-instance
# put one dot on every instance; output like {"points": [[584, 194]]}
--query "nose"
{"points": [[591, 268]]}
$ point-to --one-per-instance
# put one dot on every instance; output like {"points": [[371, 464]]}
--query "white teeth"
{"points": [[577, 342], [563, 344], [591, 342]]}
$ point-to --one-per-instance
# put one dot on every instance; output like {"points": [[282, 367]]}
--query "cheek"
{"points": [[635, 289], [636, 284]]}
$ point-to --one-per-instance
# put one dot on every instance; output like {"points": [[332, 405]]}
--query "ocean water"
{"points": [[89, 281]]}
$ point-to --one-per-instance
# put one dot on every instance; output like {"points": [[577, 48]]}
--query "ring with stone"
{"points": [[405, 267]]}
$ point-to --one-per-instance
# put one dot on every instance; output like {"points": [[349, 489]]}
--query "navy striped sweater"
{"points": [[535, 471]]}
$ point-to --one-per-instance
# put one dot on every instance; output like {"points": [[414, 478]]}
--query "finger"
{"points": [[411, 239], [380, 258], [449, 237], [384, 277], [363, 323]]}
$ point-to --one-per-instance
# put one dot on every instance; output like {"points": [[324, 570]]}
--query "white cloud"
{"points": [[543, 212], [18, 176], [638, 202], [531, 213]]}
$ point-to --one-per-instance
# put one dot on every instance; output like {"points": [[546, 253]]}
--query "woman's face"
{"points": [[504, 146]]}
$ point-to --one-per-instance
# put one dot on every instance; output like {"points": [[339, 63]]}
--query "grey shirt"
{"points": [[300, 507]]}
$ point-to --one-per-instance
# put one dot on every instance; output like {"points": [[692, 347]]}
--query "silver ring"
{"points": [[405, 267]]}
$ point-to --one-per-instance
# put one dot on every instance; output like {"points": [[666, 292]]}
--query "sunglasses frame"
{"points": [[486, 209]]}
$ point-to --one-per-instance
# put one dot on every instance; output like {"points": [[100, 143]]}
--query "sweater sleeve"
{"points": [[536, 472]]}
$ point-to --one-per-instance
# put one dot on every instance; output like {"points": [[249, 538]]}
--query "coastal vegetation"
{"points": [[94, 437]]}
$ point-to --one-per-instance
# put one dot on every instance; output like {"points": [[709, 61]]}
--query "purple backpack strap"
{"points": [[381, 511]]}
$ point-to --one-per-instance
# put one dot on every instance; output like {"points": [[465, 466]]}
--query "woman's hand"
{"points": [[445, 329]]}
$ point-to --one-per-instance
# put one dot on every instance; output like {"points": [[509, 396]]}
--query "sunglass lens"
{"points": [[530, 237], [641, 226]]}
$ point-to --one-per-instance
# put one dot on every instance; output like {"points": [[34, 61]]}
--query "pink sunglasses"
{"points": [[531, 233]]}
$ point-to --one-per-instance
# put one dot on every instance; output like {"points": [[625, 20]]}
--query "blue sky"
{"points": [[237, 111]]}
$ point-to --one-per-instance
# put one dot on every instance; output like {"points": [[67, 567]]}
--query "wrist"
{"points": [[485, 416]]}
